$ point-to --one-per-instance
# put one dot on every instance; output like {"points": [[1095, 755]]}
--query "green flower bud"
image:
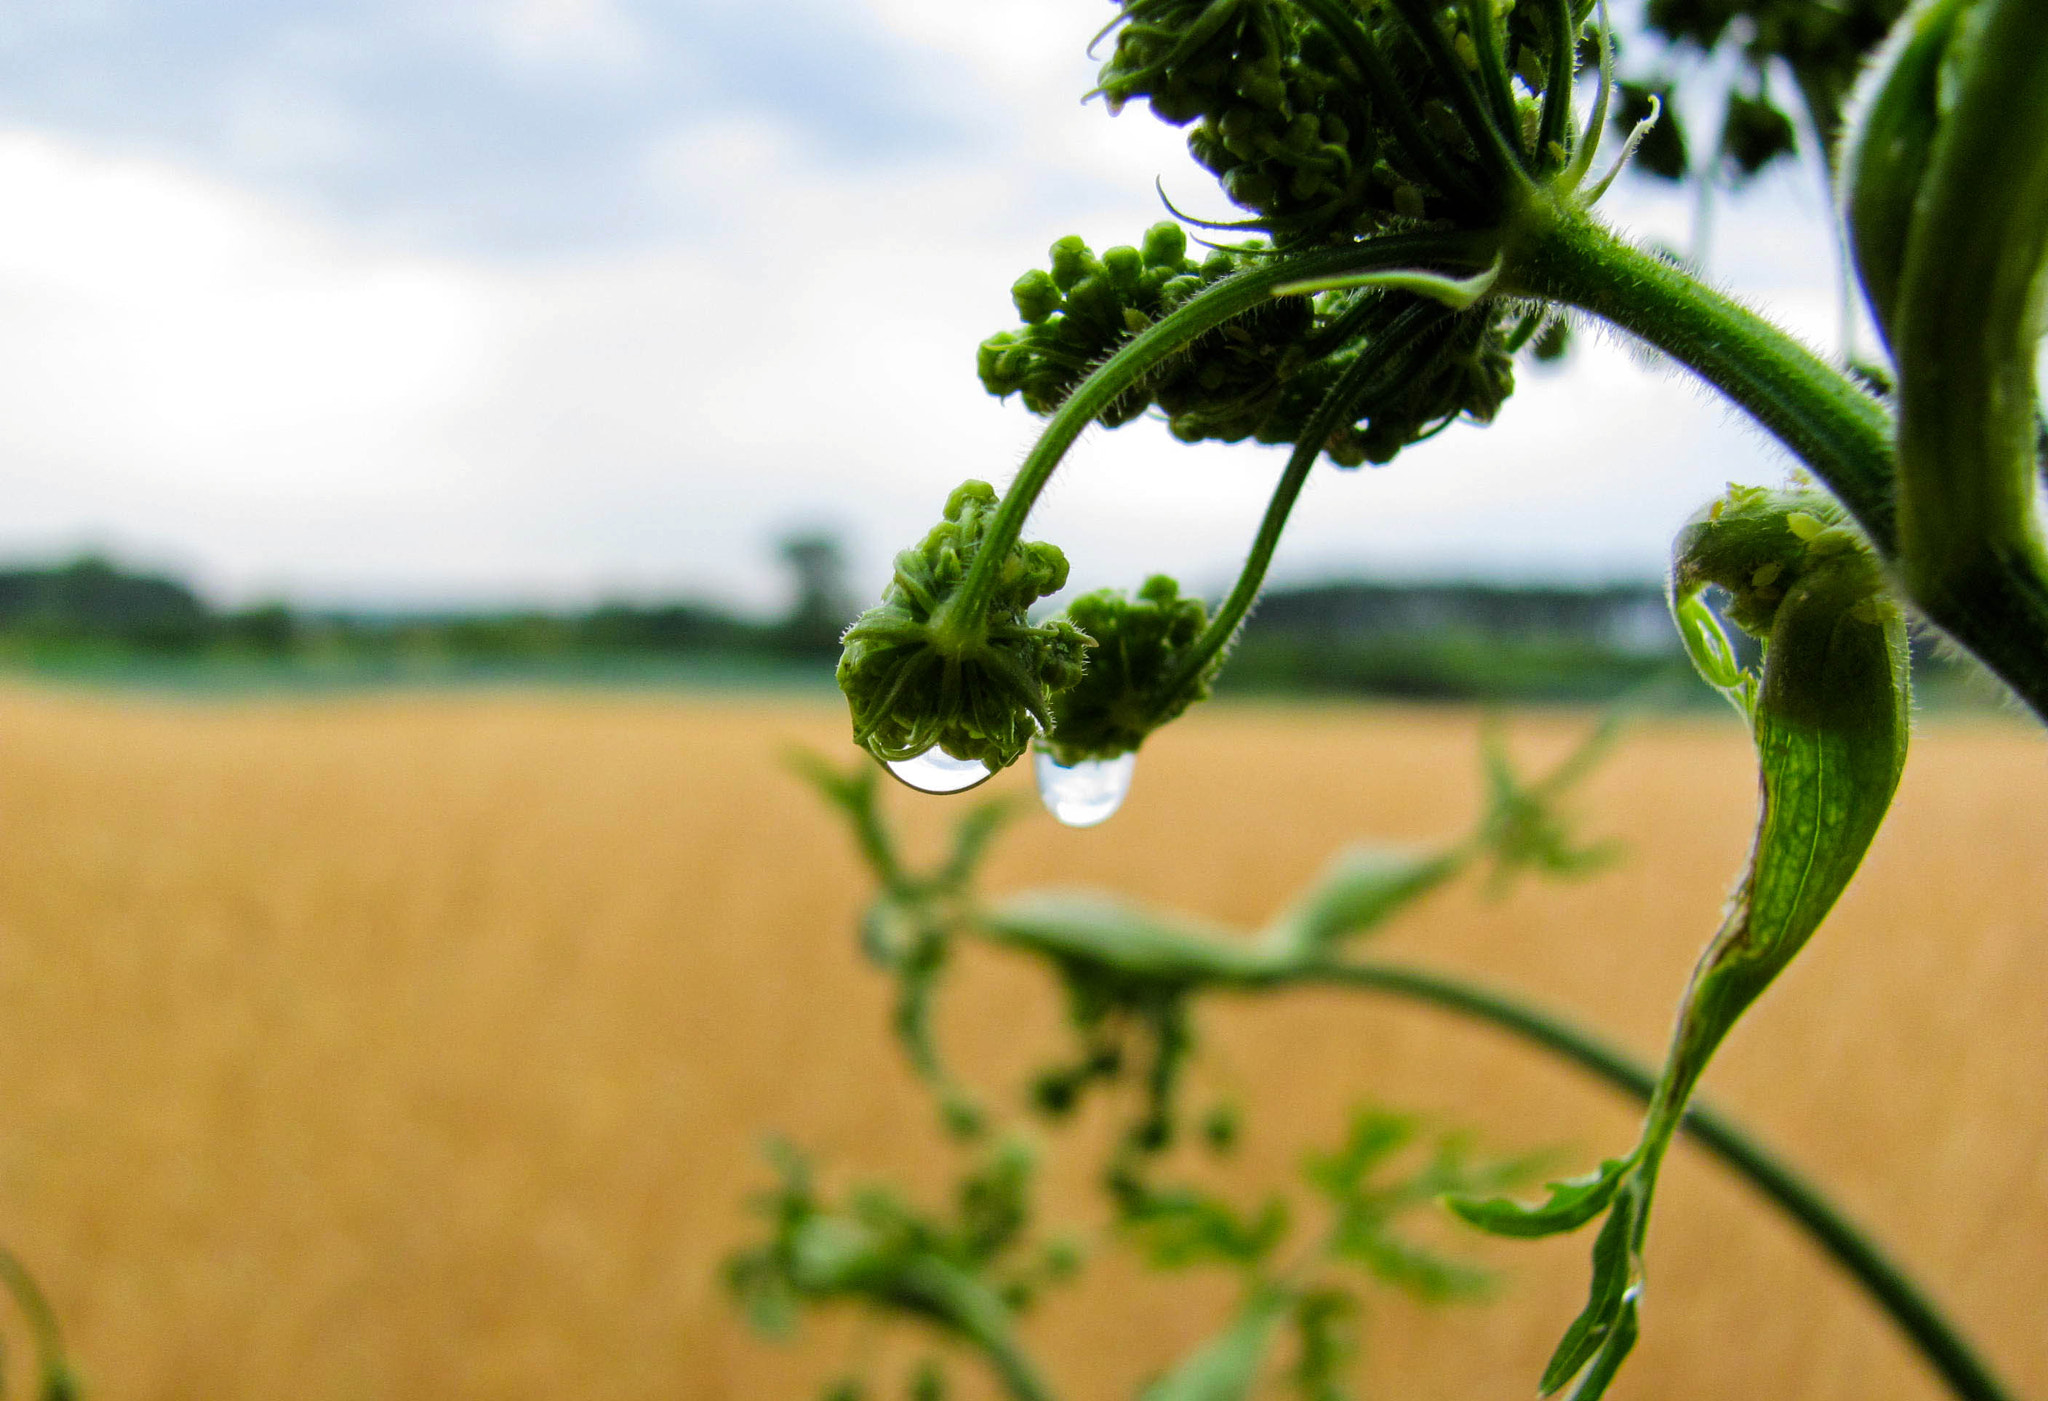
{"points": [[993, 362], [1124, 265], [1133, 682], [1037, 296], [919, 673], [1071, 261], [1165, 246]]}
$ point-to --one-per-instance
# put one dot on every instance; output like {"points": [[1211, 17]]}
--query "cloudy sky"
{"points": [[492, 300]]}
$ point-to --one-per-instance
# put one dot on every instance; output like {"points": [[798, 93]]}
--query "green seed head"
{"points": [[917, 672], [1133, 683]]}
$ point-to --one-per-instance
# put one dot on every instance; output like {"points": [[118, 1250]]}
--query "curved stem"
{"points": [[1140, 355], [42, 1323], [1493, 71], [1888, 1285], [1329, 415], [1841, 433]]}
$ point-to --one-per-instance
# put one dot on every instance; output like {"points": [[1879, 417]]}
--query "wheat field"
{"points": [[410, 1047]]}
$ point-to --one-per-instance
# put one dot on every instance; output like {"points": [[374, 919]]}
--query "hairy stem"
{"points": [[1342, 400], [1840, 432], [1139, 356], [1910, 1310], [1998, 611]]}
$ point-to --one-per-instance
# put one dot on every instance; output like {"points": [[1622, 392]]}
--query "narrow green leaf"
{"points": [[1613, 1271], [1620, 1342], [1571, 1204]]}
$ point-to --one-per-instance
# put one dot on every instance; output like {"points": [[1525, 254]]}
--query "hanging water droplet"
{"points": [[1086, 793], [936, 771]]}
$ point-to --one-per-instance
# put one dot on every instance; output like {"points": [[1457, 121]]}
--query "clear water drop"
{"points": [[936, 771], [1086, 793]]}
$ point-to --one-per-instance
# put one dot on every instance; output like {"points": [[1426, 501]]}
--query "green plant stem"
{"points": [[1557, 88], [1358, 377], [1969, 319], [1841, 433], [1139, 356], [981, 1317], [1911, 1311]]}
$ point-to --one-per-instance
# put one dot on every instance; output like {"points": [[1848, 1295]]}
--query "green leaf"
{"points": [[1226, 1367], [1613, 1279], [1177, 1227], [1356, 895], [1621, 1340], [1571, 1204], [1326, 1324], [1415, 1270]]}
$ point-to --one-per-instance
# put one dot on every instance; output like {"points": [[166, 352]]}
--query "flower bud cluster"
{"points": [[1132, 683], [1261, 376], [1285, 120], [917, 674], [1268, 123], [1077, 311]]}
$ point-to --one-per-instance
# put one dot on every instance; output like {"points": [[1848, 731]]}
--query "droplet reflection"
{"points": [[936, 771], [1086, 793]]}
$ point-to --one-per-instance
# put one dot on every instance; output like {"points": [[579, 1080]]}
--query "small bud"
{"points": [[1037, 296], [917, 675], [1132, 684], [1166, 246], [1071, 261], [1123, 264]]}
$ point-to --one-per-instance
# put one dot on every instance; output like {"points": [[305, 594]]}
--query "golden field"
{"points": [[421, 1047]]}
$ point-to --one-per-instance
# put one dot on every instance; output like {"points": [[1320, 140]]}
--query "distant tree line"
{"points": [[1422, 641], [93, 604]]}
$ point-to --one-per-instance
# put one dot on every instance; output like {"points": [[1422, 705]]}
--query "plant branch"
{"points": [[1841, 433], [969, 1305], [1358, 379], [1968, 321], [1139, 356], [1910, 1310]]}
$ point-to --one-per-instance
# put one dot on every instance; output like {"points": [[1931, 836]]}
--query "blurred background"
{"points": [[369, 1031]]}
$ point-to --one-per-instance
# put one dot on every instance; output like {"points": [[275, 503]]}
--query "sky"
{"points": [[382, 304]]}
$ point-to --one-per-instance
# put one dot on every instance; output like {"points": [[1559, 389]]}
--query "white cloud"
{"points": [[193, 372], [542, 35]]}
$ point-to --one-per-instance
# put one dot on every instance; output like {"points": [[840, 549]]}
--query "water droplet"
{"points": [[1087, 792], [936, 771]]}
